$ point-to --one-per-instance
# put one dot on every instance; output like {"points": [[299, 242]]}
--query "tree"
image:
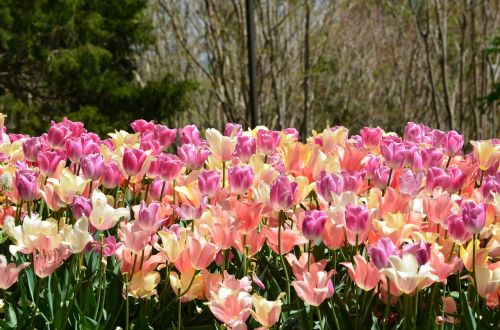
{"points": [[77, 58]]}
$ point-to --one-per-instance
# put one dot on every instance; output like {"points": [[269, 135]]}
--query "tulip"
{"points": [[371, 137], [81, 207], [486, 153], [31, 148], [240, 179], [366, 275], [189, 283], [26, 182], [209, 183], [432, 157], [421, 251], [232, 129], [282, 193], [164, 135], [453, 143], [267, 313], [437, 209], [246, 146], [356, 219], [267, 141], [68, 185], [133, 237], [110, 175], [48, 162], [456, 228], [142, 126], [172, 244], [457, 178], [313, 224], [248, 215], [201, 252], [9, 272], [381, 176], [490, 187], [192, 156], [437, 177], [133, 160], [104, 216], [108, 247], [92, 166], [170, 167], [222, 147], [313, 289], [143, 284], [406, 274], [147, 219], [57, 135], [393, 154], [328, 185], [414, 132], [410, 183], [74, 150], [189, 134], [474, 216], [380, 252], [46, 262], [76, 237]]}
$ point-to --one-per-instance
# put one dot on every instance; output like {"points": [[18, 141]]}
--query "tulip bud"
{"points": [[48, 162], [189, 134], [133, 160], [74, 150], [267, 141], [413, 132], [164, 135], [31, 148], [57, 136], [232, 129], [380, 252], [457, 178], [453, 143], [27, 185], [329, 184], [474, 216], [245, 148], [92, 166], [81, 207], [240, 179], [110, 175], [192, 156], [393, 154], [381, 176], [456, 228], [209, 182], [371, 137], [356, 218], [313, 224], [437, 177], [489, 187], [142, 126]]}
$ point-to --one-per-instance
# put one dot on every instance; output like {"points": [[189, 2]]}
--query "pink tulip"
{"points": [[457, 178], [474, 216], [74, 150], [366, 275], [380, 252], [283, 193], [254, 241], [313, 289], [31, 148], [356, 219], [9, 272], [414, 132], [453, 143], [313, 224], [155, 189], [431, 157], [456, 228], [48, 162], [372, 164], [292, 132], [142, 126], [437, 209], [109, 247], [189, 134], [246, 146], [110, 175], [490, 186], [147, 218], [329, 184], [170, 167], [133, 160], [289, 238], [248, 215], [381, 176], [133, 237], [232, 129], [371, 137], [416, 162], [410, 183], [240, 179], [436, 177], [46, 262], [393, 154], [164, 135], [305, 262], [351, 182], [81, 207], [201, 252], [57, 135], [209, 182], [438, 138], [192, 156], [92, 166], [421, 251], [267, 141], [27, 185]]}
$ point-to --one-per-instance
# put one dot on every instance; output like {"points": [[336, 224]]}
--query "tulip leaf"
{"points": [[3, 237]]}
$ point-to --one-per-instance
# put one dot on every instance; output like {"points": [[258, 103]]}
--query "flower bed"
{"points": [[164, 229]]}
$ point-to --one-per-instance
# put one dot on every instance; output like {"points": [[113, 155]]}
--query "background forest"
{"points": [[354, 63]]}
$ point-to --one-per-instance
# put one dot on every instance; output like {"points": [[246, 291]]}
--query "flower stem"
{"points": [[388, 305], [162, 190], [244, 255], [280, 218]]}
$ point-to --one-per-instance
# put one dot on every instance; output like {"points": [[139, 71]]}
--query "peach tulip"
{"points": [[266, 312], [222, 147], [313, 288], [143, 284], [366, 275], [9, 272], [182, 283]]}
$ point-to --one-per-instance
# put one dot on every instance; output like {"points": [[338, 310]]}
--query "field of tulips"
{"points": [[165, 229]]}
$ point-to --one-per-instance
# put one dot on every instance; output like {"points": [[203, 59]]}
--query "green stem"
{"points": [[474, 261], [309, 256], [147, 190], [244, 255], [126, 305], [415, 308], [125, 190], [281, 215], [320, 319], [90, 188], [388, 305], [179, 310], [162, 190]]}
